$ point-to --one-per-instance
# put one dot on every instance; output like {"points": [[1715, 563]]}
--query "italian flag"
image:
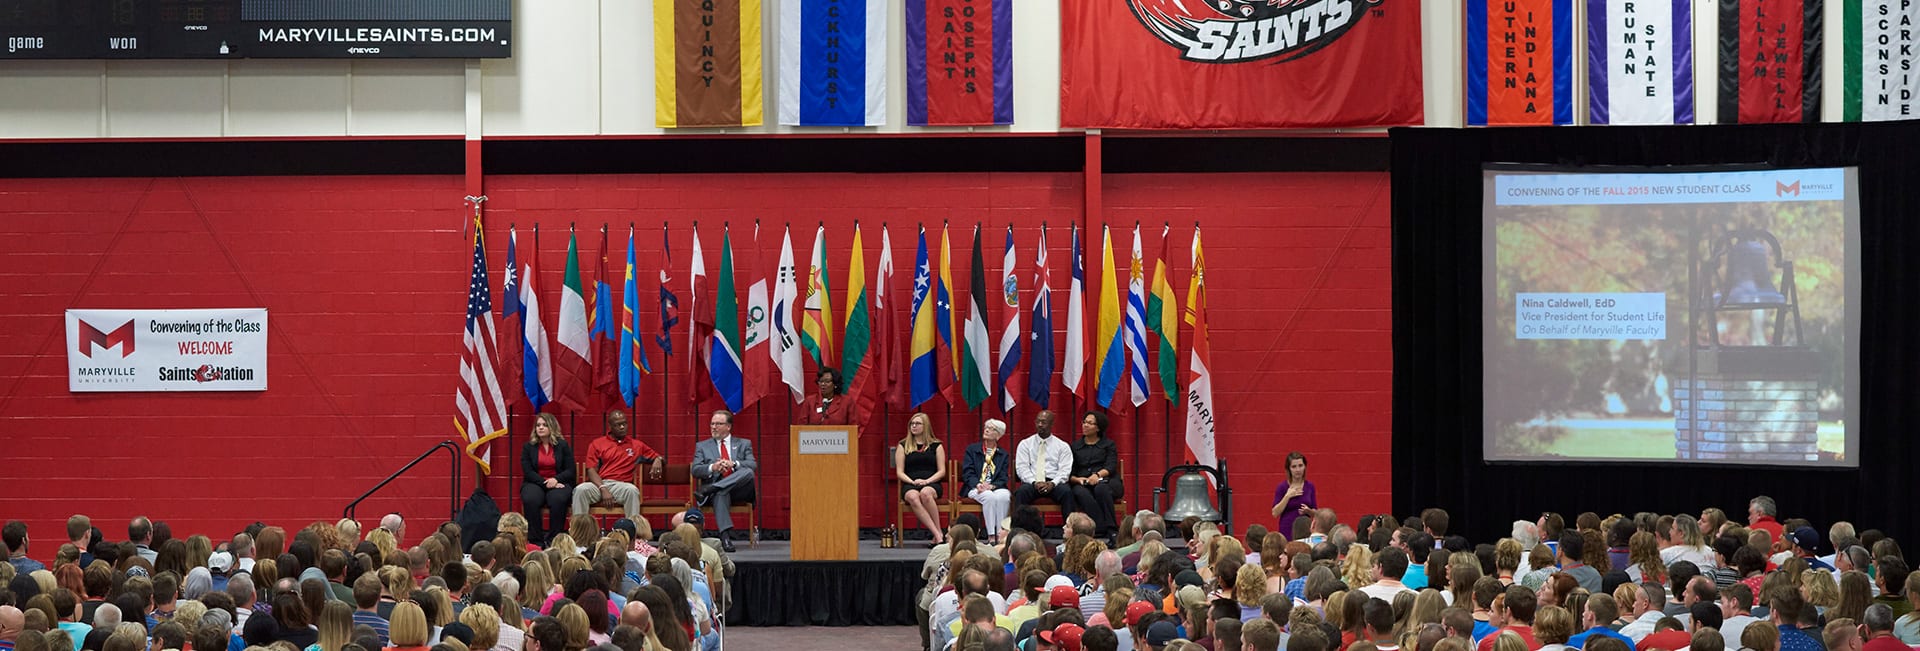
{"points": [[572, 370]]}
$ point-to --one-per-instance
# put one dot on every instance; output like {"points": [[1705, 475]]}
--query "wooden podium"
{"points": [[825, 480]]}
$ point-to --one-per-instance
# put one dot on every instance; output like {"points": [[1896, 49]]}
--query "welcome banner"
{"points": [[1239, 64], [706, 63], [1770, 61], [1519, 62], [1640, 61], [833, 63], [167, 350], [959, 62], [1882, 79]]}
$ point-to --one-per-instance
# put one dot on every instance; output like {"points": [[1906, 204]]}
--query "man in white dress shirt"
{"points": [[1042, 462]]}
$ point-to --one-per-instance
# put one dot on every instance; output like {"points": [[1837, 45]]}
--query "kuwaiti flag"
{"points": [[536, 362], [1200, 407], [1010, 333], [1136, 334], [573, 365], [976, 367], [723, 358], [1040, 361], [1073, 370], [1640, 61], [959, 62], [833, 63]]}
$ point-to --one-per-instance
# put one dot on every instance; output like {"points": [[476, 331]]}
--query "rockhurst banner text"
{"points": [[167, 350]]}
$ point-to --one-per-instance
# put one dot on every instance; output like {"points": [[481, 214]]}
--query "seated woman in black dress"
{"points": [[920, 463], [546, 478], [1094, 483]]}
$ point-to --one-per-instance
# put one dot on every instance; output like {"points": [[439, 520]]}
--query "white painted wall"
{"points": [[584, 67]]}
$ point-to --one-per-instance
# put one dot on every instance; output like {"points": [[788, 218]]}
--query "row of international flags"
{"points": [[733, 354]]}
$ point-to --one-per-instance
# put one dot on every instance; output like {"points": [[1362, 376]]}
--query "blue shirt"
{"points": [[374, 620], [1416, 577], [1794, 639], [1580, 640], [1296, 589], [23, 565], [1483, 629]]}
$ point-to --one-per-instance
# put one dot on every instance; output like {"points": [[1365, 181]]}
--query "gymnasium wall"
{"points": [[363, 278]]}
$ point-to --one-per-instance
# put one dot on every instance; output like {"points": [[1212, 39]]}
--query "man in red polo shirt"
{"points": [[609, 461], [1761, 512]]}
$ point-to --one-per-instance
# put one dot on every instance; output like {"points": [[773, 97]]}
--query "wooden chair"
{"points": [[608, 506], [675, 474], [1120, 509], [738, 509], [948, 500]]}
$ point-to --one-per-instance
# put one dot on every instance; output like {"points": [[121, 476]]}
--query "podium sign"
{"points": [[825, 479]]}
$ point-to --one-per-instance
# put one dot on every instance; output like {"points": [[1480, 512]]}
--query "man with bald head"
{"points": [[394, 525], [12, 621], [635, 614]]}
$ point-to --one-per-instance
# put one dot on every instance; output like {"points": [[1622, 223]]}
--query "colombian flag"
{"points": [[1111, 363]]}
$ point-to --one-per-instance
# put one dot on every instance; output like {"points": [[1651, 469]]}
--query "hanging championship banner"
{"points": [[167, 350], [1882, 78], [1237, 64], [1770, 61], [833, 63], [1519, 62], [959, 62], [706, 63], [1640, 61]]}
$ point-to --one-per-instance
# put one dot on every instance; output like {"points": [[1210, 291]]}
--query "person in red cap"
{"points": [[1065, 637], [1063, 596]]}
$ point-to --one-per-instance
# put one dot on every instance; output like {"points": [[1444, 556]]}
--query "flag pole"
{"points": [[512, 494]]}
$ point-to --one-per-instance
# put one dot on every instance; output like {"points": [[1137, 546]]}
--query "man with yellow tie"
{"points": [[985, 472]]}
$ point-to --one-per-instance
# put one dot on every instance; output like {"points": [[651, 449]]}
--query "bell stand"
{"points": [[1219, 482], [1709, 293]]}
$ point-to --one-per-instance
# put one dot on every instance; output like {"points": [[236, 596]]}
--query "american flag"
{"points": [[482, 410]]}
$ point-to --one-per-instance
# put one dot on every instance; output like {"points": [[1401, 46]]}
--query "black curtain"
{"points": [[825, 593], [1437, 458]]}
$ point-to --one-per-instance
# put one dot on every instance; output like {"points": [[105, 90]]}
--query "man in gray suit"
{"points": [[725, 466]]}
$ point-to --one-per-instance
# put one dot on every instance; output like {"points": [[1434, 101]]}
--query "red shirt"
{"points": [[1885, 643], [616, 460], [1767, 523], [545, 463], [1667, 640], [1525, 633]]}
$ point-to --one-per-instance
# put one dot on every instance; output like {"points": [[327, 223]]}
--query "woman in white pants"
{"points": [[985, 474]]}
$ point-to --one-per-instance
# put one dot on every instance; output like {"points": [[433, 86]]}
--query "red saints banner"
{"points": [[1770, 61], [1239, 64]]}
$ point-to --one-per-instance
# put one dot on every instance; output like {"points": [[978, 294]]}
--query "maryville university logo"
{"points": [[1782, 189], [92, 338], [1232, 31]]}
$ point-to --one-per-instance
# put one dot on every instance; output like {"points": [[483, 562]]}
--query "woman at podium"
{"points": [[920, 463], [827, 407]]}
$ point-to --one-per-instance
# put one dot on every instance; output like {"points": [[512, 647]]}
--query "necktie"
{"points": [[986, 474], [724, 456]]}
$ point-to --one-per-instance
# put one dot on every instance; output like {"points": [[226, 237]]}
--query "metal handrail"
{"points": [[453, 495]]}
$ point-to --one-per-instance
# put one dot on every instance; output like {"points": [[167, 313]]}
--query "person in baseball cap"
{"points": [[1136, 610], [1806, 543], [1065, 637], [1160, 634], [1063, 596]]}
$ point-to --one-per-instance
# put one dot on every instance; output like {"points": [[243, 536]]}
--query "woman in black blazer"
{"points": [[547, 478], [984, 474]]}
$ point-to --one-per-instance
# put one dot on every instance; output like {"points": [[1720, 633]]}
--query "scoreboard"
{"points": [[237, 29]]}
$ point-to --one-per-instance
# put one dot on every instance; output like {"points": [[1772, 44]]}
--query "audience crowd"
{"points": [[1640, 582], [328, 587]]}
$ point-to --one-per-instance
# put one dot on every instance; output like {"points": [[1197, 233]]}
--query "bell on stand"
{"points": [[1189, 486]]}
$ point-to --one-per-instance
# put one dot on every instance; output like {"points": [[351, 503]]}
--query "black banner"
{"points": [[231, 29]]}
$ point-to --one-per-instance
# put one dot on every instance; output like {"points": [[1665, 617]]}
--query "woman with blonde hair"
{"points": [[919, 464], [1358, 572], [348, 531], [1249, 587], [1689, 545], [407, 629], [585, 532], [1820, 590], [336, 626], [516, 524], [573, 620], [485, 622], [1643, 559], [548, 473], [397, 581], [1552, 627], [1856, 593], [564, 547], [1506, 560], [1463, 571], [538, 585], [1335, 610], [383, 541], [1426, 609], [443, 606]]}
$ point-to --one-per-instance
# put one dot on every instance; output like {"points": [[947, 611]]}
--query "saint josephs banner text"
{"points": [[1520, 61], [959, 62], [1226, 64]]}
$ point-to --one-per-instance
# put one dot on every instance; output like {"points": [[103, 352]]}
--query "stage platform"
{"points": [[772, 589]]}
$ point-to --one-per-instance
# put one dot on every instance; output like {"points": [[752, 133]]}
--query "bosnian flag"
{"points": [[833, 63]]}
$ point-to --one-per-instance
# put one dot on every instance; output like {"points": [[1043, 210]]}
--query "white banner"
{"points": [[167, 350]]}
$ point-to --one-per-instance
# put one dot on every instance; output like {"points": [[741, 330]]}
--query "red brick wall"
{"points": [[363, 279]]}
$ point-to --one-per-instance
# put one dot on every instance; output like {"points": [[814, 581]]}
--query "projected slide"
{"points": [[1644, 315]]}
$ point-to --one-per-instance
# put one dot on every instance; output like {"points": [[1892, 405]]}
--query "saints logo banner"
{"points": [[1239, 64], [1519, 62], [1640, 61]]}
